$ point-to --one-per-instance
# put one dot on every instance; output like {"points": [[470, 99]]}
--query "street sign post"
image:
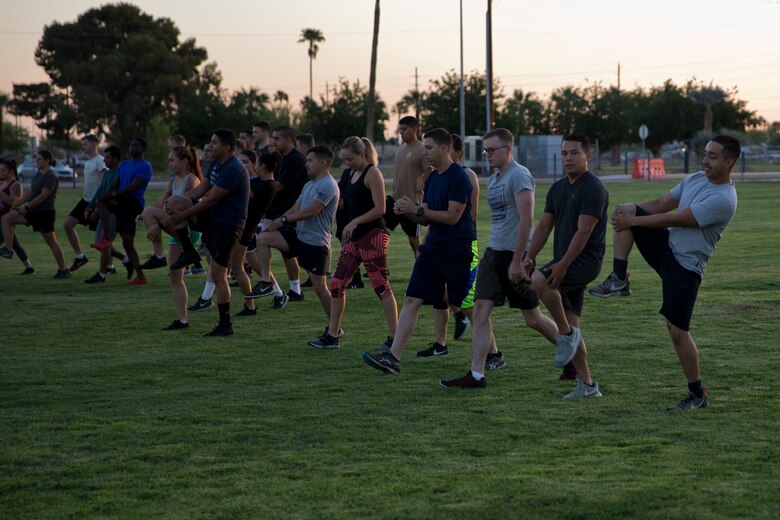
{"points": [[643, 133]]}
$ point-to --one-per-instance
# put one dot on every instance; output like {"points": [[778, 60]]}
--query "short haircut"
{"points": [[731, 147], [113, 151], [440, 136], [457, 143], [321, 152], [264, 125], [92, 138], [284, 131], [142, 142], [178, 140], [227, 137], [247, 132], [584, 142], [503, 135], [305, 139], [409, 121]]}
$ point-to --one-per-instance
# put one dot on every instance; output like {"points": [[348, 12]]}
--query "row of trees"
{"points": [[137, 78]]}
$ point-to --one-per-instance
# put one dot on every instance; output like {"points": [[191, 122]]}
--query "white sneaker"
{"points": [[584, 390]]}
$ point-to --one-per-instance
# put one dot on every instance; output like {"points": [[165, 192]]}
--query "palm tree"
{"points": [[708, 96], [4, 100], [370, 110], [313, 37]]}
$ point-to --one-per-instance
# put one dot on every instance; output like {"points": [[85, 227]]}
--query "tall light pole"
{"points": [[462, 89], [489, 65]]}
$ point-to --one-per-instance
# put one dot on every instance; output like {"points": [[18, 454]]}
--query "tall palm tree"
{"points": [[370, 110], [4, 100], [313, 37]]}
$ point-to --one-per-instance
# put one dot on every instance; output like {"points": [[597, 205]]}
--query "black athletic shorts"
{"points": [[441, 268], [312, 258], [411, 228], [78, 213], [680, 285], [580, 273], [493, 282], [127, 209], [220, 242], [42, 221]]}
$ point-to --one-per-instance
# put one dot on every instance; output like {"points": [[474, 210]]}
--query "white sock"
{"points": [[126, 260], [163, 256], [183, 322], [278, 290], [111, 267], [80, 256], [295, 286], [208, 290], [477, 375]]}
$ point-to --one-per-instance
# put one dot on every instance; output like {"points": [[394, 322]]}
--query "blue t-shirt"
{"points": [[440, 188], [231, 209], [131, 169]]}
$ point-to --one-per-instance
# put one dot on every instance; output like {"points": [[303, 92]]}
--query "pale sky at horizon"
{"points": [[538, 46]]}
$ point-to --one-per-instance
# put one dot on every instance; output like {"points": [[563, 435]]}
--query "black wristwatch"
{"points": [[420, 211], [283, 218]]}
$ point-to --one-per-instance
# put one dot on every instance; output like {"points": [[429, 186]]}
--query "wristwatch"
{"points": [[420, 211], [113, 194], [283, 219]]}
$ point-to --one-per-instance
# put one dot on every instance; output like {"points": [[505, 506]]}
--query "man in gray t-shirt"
{"points": [[678, 245], [304, 230], [500, 272]]}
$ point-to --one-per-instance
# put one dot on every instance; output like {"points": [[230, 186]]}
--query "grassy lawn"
{"points": [[103, 415]]}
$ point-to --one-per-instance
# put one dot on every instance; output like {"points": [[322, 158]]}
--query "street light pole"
{"points": [[489, 66], [462, 89]]}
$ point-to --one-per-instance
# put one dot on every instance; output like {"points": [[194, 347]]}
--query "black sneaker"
{"points": [[200, 305], [356, 282], [247, 312], [96, 278], [280, 301], [155, 262], [385, 346], [385, 362], [111, 269], [129, 268], [435, 350], [691, 402], [184, 260], [326, 341], [6, 253], [78, 262], [176, 325], [28, 270], [466, 381], [220, 332], [495, 361], [461, 326], [569, 373], [261, 289], [294, 296], [62, 274], [307, 283]]}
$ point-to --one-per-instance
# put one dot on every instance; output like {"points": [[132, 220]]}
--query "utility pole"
{"points": [[489, 65], [416, 97], [462, 88], [618, 75]]}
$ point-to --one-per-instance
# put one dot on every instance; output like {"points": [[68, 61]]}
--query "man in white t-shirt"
{"points": [[93, 174]]}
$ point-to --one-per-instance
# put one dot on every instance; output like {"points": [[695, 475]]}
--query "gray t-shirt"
{"points": [[504, 221], [315, 231], [93, 174], [713, 207]]}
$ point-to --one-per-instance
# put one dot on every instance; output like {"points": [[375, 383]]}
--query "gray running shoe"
{"points": [[566, 346], [691, 402], [495, 361], [612, 286], [385, 362], [584, 390], [326, 341], [385, 347], [62, 274]]}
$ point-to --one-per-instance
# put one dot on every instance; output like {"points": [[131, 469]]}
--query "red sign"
{"points": [[649, 169]]}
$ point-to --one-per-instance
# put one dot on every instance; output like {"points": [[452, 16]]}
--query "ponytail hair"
{"points": [[11, 165], [47, 156], [191, 156], [361, 146]]}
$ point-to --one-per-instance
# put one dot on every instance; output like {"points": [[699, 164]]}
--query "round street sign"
{"points": [[643, 132]]}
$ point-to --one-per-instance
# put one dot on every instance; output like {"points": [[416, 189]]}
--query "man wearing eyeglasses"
{"points": [[500, 271], [576, 207]]}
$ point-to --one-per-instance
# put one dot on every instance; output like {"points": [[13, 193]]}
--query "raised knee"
{"points": [[338, 287]]}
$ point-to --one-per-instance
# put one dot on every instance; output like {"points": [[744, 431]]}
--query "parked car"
{"points": [[27, 169]]}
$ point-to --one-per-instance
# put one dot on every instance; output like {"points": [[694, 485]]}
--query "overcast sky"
{"points": [[538, 45]]}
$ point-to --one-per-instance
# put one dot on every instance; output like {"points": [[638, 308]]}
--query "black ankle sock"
{"points": [[619, 267], [224, 314], [183, 234], [460, 315], [696, 388]]}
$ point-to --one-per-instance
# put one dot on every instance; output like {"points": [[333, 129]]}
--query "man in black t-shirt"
{"points": [[577, 208]]}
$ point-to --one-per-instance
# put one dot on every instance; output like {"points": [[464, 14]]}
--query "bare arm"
{"points": [[14, 195], [524, 202], [376, 183], [540, 236], [199, 191], [585, 226], [474, 194], [41, 198]]}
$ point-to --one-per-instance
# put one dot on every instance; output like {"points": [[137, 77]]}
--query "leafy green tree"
{"points": [[201, 107], [524, 113], [14, 138], [122, 67]]}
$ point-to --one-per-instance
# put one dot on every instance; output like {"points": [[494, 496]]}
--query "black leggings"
{"points": [[18, 249]]}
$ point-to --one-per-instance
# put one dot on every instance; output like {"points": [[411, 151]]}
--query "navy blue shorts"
{"points": [[439, 269]]}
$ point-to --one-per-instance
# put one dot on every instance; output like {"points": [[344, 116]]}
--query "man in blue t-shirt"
{"points": [[576, 208], [444, 263], [220, 216], [125, 199], [678, 245]]}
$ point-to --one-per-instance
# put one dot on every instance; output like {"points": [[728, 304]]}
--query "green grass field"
{"points": [[103, 415]]}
